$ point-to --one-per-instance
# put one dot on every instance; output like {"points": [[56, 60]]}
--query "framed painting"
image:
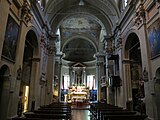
{"points": [[10, 40], [154, 38]]}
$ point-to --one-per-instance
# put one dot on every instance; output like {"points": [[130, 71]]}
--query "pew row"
{"points": [[104, 111], [54, 111]]}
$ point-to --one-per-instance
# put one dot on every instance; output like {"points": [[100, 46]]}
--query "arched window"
{"points": [[41, 3], [66, 81], [91, 82], [124, 3]]}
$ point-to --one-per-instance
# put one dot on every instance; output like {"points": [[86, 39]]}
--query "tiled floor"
{"points": [[80, 115]]}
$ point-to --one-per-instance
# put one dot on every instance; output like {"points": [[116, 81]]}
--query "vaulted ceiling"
{"points": [[82, 25]]}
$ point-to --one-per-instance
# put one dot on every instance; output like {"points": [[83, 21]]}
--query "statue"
{"points": [[19, 73], [145, 75]]}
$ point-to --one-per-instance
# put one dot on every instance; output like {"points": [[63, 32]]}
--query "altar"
{"points": [[78, 94]]}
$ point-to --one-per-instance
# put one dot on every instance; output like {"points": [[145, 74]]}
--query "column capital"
{"points": [[100, 54], [51, 49], [52, 38], [118, 40], [107, 38], [140, 16], [51, 45], [26, 14]]}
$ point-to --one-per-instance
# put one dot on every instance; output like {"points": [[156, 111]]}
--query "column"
{"points": [[99, 73], [50, 69], [74, 77], [84, 76], [70, 75], [140, 22], [60, 79], [109, 71], [34, 92], [127, 80], [97, 82]]}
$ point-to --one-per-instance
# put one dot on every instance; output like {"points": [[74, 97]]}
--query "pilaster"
{"points": [[140, 22], [99, 73], [50, 68]]}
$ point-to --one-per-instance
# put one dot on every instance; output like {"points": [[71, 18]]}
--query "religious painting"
{"points": [[154, 38], [10, 40]]}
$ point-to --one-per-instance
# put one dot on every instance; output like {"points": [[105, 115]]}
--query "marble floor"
{"points": [[80, 111], [80, 115]]}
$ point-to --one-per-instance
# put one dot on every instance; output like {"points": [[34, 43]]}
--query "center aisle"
{"points": [[80, 111], [80, 115]]}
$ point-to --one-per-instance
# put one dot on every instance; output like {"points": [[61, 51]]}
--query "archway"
{"points": [[157, 93], [133, 54], [30, 51], [4, 91]]}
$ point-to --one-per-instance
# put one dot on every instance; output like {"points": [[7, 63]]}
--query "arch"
{"points": [[132, 38], [33, 31], [82, 37], [31, 51], [79, 50], [56, 20], [157, 88], [158, 75], [4, 91], [4, 70], [57, 24], [133, 54]]}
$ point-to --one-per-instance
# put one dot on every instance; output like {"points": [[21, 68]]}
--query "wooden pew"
{"points": [[51, 111], [46, 116], [54, 111], [124, 117], [17, 118], [95, 109], [114, 112], [103, 111], [57, 111]]}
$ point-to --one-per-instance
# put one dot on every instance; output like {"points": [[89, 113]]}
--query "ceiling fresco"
{"points": [[80, 24]]}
